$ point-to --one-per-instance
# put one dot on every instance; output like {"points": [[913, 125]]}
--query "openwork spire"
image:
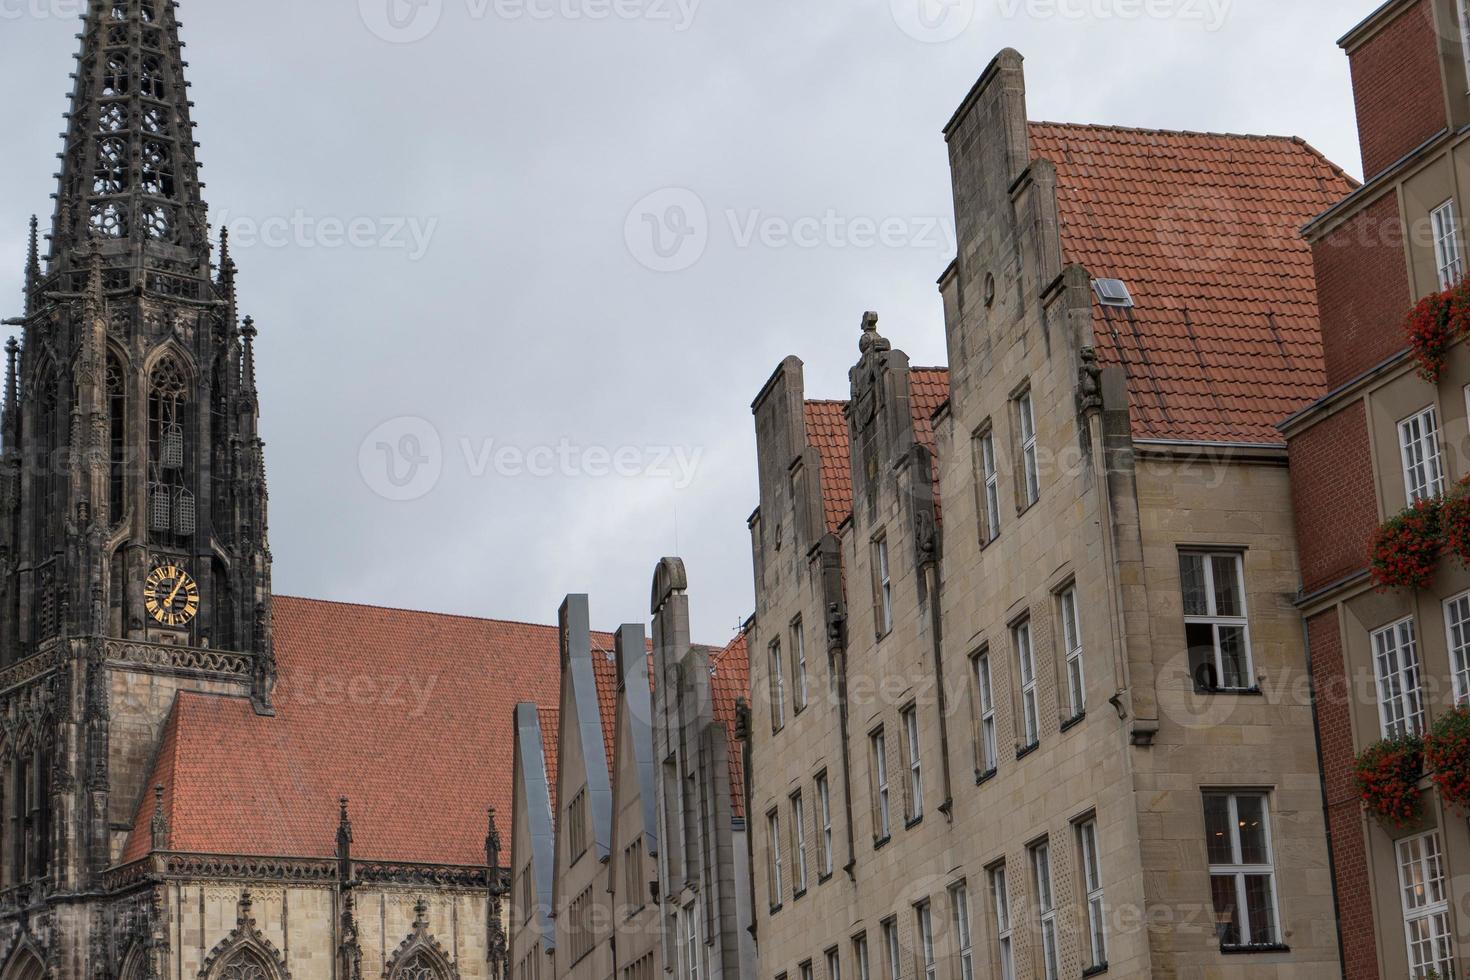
{"points": [[128, 174]]}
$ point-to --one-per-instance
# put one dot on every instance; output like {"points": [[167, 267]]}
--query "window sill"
{"points": [[1074, 721], [881, 842], [823, 879], [798, 896], [1026, 750], [1240, 692], [1261, 948], [981, 778], [1095, 971], [775, 909], [914, 822]]}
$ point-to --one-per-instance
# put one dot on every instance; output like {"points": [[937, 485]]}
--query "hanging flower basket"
{"points": [[1447, 757], [1431, 334], [1388, 775], [1454, 521], [1407, 547]]}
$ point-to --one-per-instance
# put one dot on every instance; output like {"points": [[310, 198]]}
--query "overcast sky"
{"points": [[586, 231]]}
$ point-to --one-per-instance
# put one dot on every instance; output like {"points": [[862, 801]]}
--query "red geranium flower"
{"points": [[1388, 779], [1407, 547]]}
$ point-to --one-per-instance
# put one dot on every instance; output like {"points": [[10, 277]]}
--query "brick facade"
{"points": [[1332, 489], [1398, 88], [1362, 290]]}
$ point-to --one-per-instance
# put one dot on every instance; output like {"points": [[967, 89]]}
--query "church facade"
{"points": [[198, 779]]}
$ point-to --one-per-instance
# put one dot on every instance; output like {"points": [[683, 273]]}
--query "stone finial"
{"points": [[344, 843], [248, 332], [33, 256], [244, 916], [159, 827], [492, 843], [12, 387], [872, 341], [421, 916]]}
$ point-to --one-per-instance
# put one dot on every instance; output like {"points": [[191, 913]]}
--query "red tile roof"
{"points": [[826, 430], [730, 681], [550, 718], [605, 670], [1204, 229], [406, 713]]}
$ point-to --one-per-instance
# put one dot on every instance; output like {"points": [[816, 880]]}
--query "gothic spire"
{"points": [[12, 393], [128, 173], [33, 261], [247, 378]]}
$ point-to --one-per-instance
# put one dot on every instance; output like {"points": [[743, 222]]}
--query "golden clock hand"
{"points": [[175, 593]]}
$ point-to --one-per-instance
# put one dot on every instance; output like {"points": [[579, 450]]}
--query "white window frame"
{"points": [[990, 473], [1448, 256], [798, 841], [893, 950], [778, 687], [1092, 884], [778, 865], [802, 691], [1457, 638], [1239, 872], [987, 748], [959, 900], [1396, 669], [1072, 641], [884, 578], [807, 971], [878, 746], [860, 957], [824, 812], [691, 941], [1030, 699], [1046, 910], [1031, 475], [1213, 619], [1463, 8], [1419, 451], [834, 964], [924, 922], [1424, 897], [915, 762], [1000, 895]]}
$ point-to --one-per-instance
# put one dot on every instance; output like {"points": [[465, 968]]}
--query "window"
{"points": [[1072, 640], [1464, 8], [798, 844], [914, 761], [526, 904], [778, 688], [577, 824], [1242, 871], [775, 867], [1447, 241], [1097, 923], [691, 942], [806, 970], [987, 753], [989, 484], [834, 965], [1046, 909], [633, 884], [1457, 631], [1396, 662], [924, 922], [860, 957], [1031, 477], [1000, 900], [891, 950], [824, 814], [884, 583], [959, 900], [882, 815], [1426, 906], [800, 691], [1030, 711], [1419, 442], [1215, 624]]}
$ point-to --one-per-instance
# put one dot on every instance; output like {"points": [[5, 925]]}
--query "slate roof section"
{"points": [[406, 713], [730, 681], [1204, 228]]}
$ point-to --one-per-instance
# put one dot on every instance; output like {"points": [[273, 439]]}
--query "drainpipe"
{"points": [[931, 573], [1326, 811]]}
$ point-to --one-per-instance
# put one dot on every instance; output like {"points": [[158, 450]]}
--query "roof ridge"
{"points": [[430, 612], [827, 401], [1151, 131]]}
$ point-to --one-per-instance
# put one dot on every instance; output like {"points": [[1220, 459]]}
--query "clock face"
{"points": [[171, 596]]}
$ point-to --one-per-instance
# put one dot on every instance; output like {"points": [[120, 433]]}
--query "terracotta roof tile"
{"points": [[1205, 229], [549, 718], [730, 681], [406, 713], [605, 670]]}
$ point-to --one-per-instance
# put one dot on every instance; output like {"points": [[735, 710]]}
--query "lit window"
{"points": [[959, 897], [1426, 906], [1242, 871], [798, 644], [1046, 909], [882, 816], [1000, 900], [987, 753], [776, 868], [1447, 244], [989, 487], [891, 948], [924, 920], [884, 582], [778, 687], [1457, 630], [1396, 663], [1026, 416], [798, 843], [1419, 444], [1216, 628], [1072, 640], [1030, 709], [1097, 924], [915, 763], [824, 813]]}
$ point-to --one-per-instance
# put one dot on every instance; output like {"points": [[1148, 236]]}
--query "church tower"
{"points": [[133, 545]]}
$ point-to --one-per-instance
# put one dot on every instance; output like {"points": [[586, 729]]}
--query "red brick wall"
{"points": [[1362, 290], [1332, 491], [1344, 812], [1398, 88]]}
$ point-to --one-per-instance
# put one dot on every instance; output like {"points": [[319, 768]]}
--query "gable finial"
{"points": [[872, 341], [159, 827], [248, 333], [344, 843], [421, 916], [33, 257], [492, 843]]}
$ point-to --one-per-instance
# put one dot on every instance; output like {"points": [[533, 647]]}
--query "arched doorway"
{"points": [[24, 965]]}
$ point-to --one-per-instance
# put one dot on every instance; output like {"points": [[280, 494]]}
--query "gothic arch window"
{"points": [[171, 510], [244, 964], [419, 966], [420, 957], [135, 964], [24, 965]]}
